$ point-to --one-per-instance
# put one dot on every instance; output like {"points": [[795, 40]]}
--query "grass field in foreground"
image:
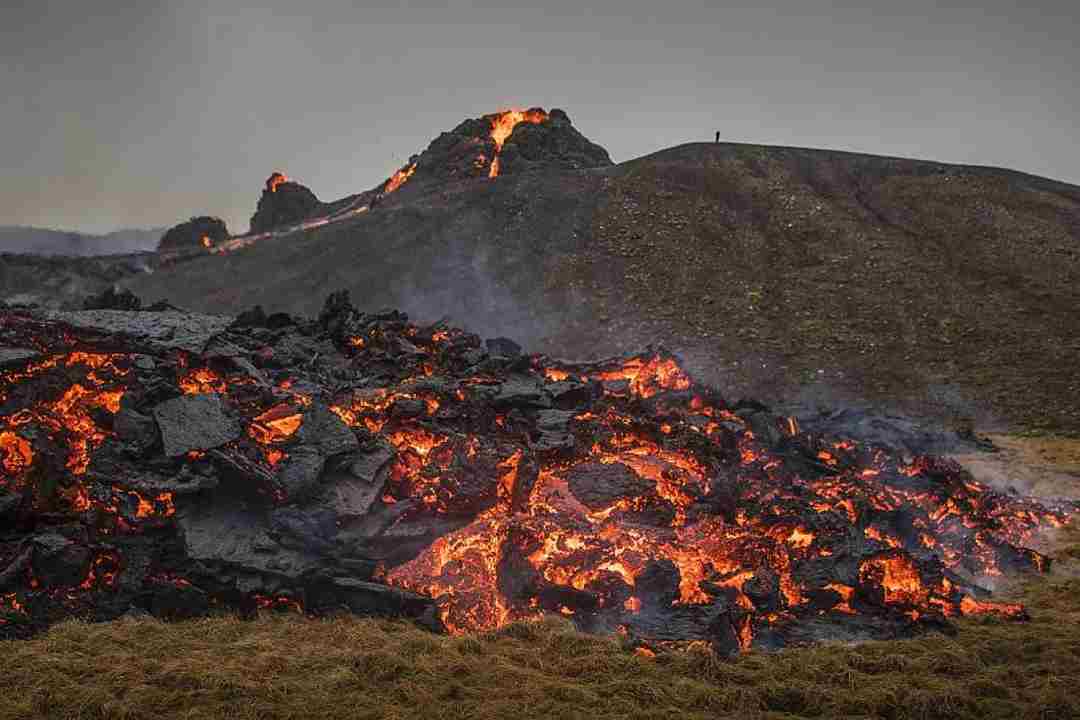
{"points": [[290, 667]]}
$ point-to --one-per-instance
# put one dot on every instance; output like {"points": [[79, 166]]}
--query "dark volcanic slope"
{"points": [[884, 277]]}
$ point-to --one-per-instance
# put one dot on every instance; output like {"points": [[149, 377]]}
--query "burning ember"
{"points": [[407, 472], [502, 126]]}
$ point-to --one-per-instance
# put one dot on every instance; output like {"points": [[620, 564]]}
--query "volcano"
{"points": [[178, 464], [502, 143]]}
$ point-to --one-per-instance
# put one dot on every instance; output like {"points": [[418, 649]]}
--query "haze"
{"points": [[144, 117]]}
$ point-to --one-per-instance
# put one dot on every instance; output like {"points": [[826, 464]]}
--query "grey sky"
{"points": [[118, 117]]}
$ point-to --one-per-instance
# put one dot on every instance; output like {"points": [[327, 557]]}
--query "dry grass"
{"points": [[1034, 464], [288, 667], [1043, 452]]}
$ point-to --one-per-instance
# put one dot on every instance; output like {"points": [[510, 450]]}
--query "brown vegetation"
{"points": [[287, 667]]}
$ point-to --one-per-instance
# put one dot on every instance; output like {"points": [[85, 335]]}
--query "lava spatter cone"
{"points": [[363, 461], [500, 143]]}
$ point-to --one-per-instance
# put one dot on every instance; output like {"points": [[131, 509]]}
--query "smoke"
{"points": [[467, 297], [1016, 468]]}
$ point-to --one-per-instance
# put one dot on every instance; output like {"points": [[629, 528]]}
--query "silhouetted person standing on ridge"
{"points": [[717, 136]]}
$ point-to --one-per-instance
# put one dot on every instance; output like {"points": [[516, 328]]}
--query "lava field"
{"points": [[179, 464]]}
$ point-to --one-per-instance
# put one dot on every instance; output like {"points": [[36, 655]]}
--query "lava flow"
{"points": [[368, 462], [399, 178], [502, 126]]}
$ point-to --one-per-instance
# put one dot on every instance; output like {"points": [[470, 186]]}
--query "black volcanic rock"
{"points": [[134, 427], [599, 486], [554, 143], [59, 561], [166, 330], [283, 202], [300, 473], [194, 422], [324, 430], [113, 298], [198, 232], [15, 356]]}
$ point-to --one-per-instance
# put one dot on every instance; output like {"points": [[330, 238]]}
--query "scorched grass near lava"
{"points": [[619, 494]]}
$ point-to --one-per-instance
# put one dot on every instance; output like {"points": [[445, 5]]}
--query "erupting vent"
{"points": [[502, 126], [275, 180], [409, 472]]}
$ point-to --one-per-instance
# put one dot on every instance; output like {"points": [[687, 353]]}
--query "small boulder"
{"points": [[58, 562], [194, 422], [503, 346], [599, 486], [299, 474], [133, 427], [324, 430], [113, 298]]}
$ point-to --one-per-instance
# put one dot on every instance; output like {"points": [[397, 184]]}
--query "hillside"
{"points": [[783, 273]]}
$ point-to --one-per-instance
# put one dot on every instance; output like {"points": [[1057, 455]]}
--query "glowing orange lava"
{"points": [[276, 424], [399, 178], [275, 180], [16, 453], [502, 126], [201, 381]]}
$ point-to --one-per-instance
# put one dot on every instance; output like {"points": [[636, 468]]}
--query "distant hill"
{"points": [[778, 272], [41, 241], [58, 281]]}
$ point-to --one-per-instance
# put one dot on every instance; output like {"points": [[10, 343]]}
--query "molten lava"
{"points": [[619, 494], [275, 180], [502, 126], [202, 380], [603, 552], [399, 178], [17, 454], [275, 425]]}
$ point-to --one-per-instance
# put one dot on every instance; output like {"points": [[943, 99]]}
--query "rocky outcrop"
{"points": [[113, 298], [283, 202], [199, 232]]}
